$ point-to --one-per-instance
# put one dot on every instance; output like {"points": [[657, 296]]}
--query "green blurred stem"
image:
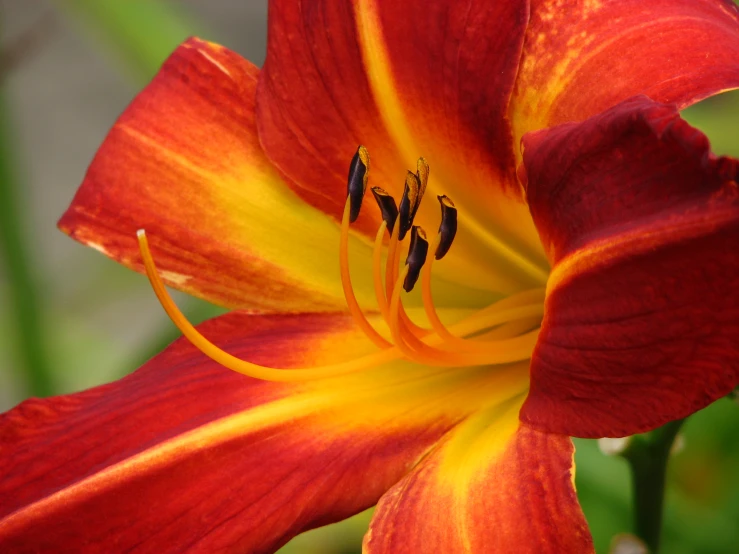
{"points": [[23, 288], [647, 456]]}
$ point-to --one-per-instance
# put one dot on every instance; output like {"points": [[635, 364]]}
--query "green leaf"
{"points": [[139, 33], [25, 301]]}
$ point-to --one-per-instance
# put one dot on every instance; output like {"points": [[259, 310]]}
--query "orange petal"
{"points": [[184, 162], [641, 322], [185, 455], [406, 79], [493, 485], [590, 56]]}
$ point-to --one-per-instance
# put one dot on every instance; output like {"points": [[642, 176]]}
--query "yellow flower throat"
{"points": [[502, 333]]}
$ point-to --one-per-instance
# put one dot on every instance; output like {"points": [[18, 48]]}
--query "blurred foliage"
{"points": [[703, 483], [140, 33], [27, 325], [702, 500]]}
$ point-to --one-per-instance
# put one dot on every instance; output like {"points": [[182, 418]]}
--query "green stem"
{"points": [[24, 311], [648, 455]]}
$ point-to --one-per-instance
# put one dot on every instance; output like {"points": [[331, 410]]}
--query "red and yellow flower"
{"points": [[590, 290]]}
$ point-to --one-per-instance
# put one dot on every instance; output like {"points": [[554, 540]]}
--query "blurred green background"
{"points": [[71, 319]]}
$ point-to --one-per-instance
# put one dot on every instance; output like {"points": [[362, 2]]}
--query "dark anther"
{"points": [[408, 204], [357, 182], [415, 187], [422, 172], [387, 207], [448, 227], [417, 253]]}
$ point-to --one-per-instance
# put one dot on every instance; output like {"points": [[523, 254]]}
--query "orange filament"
{"points": [[471, 325], [393, 257], [242, 366], [502, 308], [475, 353], [377, 272], [510, 329], [346, 283], [391, 273], [502, 333], [428, 300], [407, 326], [508, 318]]}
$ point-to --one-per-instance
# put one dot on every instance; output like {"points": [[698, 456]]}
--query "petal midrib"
{"points": [[389, 106]]}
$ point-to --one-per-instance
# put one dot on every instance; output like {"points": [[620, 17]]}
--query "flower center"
{"points": [[502, 333]]}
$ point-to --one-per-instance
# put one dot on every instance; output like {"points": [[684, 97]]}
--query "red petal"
{"points": [[494, 486], [588, 57], [405, 79], [642, 317], [184, 162], [185, 455]]}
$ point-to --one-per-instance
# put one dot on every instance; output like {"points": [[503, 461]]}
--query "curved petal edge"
{"points": [[641, 224], [186, 455], [184, 162], [493, 485]]}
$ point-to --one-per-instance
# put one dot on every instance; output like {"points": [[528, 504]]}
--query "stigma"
{"points": [[501, 333]]}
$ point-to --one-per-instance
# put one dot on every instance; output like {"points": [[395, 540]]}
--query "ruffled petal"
{"points": [[493, 485], [184, 162], [406, 79], [185, 455], [641, 321], [587, 56]]}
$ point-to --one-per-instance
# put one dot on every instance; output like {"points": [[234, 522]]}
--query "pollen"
{"points": [[501, 333]]}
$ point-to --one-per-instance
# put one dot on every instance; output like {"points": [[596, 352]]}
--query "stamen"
{"points": [[393, 258], [526, 304], [422, 172], [445, 237], [395, 325], [346, 283], [483, 345], [522, 306], [441, 245], [417, 252], [415, 187], [357, 181], [241, 366], [530, 297], [377, 271], [499, 334], [487, 353], [405, 207], [470, 325], [510, 329], [388, 209], [391, 274], [428, 300], [448, 226], [389, 212]]}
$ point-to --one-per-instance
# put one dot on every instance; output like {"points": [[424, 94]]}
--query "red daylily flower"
{"points": [[238, 176]]}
